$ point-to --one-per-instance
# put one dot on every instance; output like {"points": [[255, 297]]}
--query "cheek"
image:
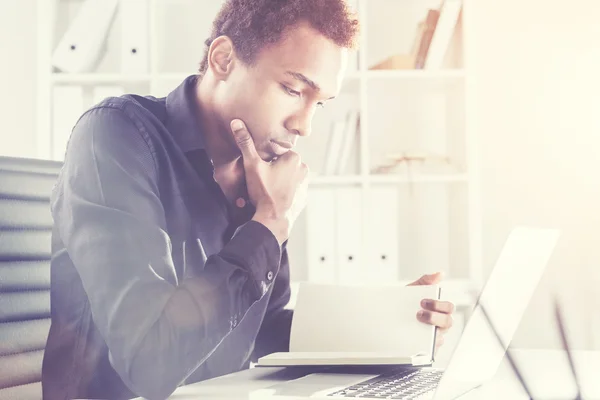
{"points": [[265, 116], [264, 108]]}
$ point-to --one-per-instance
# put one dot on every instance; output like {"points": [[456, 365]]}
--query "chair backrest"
{"points": [[25, 232]]}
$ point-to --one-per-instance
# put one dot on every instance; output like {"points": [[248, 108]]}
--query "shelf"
{"points": [[391, 179], [59, 77], [336, 180], [415, 74], [418, 178], [430, 105], [173, 76]]}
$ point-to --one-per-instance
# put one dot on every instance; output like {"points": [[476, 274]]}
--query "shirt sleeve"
{"points": [[109, 215], [274, 333]]}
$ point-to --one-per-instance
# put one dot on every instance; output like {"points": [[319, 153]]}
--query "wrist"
{"points": [[279, 227]]}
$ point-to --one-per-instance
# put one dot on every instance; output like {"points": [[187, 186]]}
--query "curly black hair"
{"points": [[254, 24]]}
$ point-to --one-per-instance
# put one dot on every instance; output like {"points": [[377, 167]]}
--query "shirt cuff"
{"points": [[255, 246]]}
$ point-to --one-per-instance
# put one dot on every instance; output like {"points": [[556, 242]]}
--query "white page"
{"points": [[360, 318]]}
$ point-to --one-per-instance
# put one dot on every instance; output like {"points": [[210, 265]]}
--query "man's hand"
{"points": [[277, 189], [435, 312]]}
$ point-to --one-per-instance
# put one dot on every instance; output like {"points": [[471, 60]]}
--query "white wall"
{"points": [[536, 85], [18, 77]]}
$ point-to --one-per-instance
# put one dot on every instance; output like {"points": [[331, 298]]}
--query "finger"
{"points": [[441, 320], [446, 307], [428, 279], [308, 173], [290, 156], [244, 140]]}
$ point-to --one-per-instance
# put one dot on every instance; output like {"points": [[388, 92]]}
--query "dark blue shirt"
{"points": [[156, 279]]}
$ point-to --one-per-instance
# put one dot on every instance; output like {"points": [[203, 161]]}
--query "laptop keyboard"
{"points": [[406, 384]]}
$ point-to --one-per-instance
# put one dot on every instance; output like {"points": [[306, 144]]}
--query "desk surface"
{"points": [[546, 371]]}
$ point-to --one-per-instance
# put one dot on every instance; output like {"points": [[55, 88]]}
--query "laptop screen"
{"points": [[505, 296]]}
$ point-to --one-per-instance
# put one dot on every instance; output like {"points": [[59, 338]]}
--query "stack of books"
{"points": [[432, 40], [341, 141]]}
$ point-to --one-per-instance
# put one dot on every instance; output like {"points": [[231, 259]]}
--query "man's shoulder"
{"points": [[143, 116], [135, 106]]}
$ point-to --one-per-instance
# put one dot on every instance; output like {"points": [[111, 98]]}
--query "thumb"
{"points": [[427, 279], [243, 139]]}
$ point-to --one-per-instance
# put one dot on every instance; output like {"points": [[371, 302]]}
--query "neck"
{"points": [[220, 145]]}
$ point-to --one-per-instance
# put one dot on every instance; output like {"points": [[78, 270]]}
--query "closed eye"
{"points": [[291, 91], [295, 93]]}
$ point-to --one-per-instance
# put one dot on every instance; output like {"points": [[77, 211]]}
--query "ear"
{"points": [[221, 57]]}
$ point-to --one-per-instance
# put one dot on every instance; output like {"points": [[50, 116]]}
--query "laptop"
{"points": [[478, 353]]}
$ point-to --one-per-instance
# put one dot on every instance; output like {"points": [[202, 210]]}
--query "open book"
{"points": [[358, 325]]}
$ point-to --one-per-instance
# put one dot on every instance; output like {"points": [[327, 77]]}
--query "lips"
{"points": [[280, 148], [286, 145]]}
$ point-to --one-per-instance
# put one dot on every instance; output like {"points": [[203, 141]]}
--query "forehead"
{"points": [[306, 51]]}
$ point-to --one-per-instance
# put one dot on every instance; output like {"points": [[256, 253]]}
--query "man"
{"points": [[169, 261]]}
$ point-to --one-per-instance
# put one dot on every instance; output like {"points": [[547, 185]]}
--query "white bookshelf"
{"points": [[436, 220]]}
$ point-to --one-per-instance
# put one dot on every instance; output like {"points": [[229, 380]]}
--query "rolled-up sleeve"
{"points": [[109, 216]]}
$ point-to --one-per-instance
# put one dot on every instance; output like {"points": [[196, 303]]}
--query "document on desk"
{"points": [[358, 325]]}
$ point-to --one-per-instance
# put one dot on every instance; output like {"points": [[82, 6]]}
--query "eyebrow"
{"points": [[309, 82]]}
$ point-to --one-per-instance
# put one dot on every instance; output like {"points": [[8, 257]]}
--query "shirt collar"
{"points": [[182, 116]]}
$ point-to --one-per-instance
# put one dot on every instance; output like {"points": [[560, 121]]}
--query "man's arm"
{"points": [[110, 218], [274, 333]]}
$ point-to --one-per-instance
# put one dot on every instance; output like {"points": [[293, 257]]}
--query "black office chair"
{"points": [[25, 229]]}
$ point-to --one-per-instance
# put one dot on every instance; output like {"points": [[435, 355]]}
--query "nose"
{"points": [[301, 122]]}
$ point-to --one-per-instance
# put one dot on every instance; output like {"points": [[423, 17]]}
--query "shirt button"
{"points": [[270, 275], [240, 202]]}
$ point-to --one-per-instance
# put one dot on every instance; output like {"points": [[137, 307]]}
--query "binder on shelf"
{"points": [[382, 234], [135, 50], [81, 47], [334, 146], [349, 246], [320, 237], [347, 140], [444, 30], [100, 93], [429, 28], [67, 107]]}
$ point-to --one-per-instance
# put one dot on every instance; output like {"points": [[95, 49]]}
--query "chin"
{"points": [[266, 154]]}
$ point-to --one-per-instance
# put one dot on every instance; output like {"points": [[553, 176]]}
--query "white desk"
{"points": [[546, 371]]}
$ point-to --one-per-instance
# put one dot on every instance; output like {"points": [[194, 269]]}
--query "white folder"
{"points": [[351, 268], [67, 107], [100, 93], [449, 13], [382, 235], [320, 223], [80, 49], [134, 36]]}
